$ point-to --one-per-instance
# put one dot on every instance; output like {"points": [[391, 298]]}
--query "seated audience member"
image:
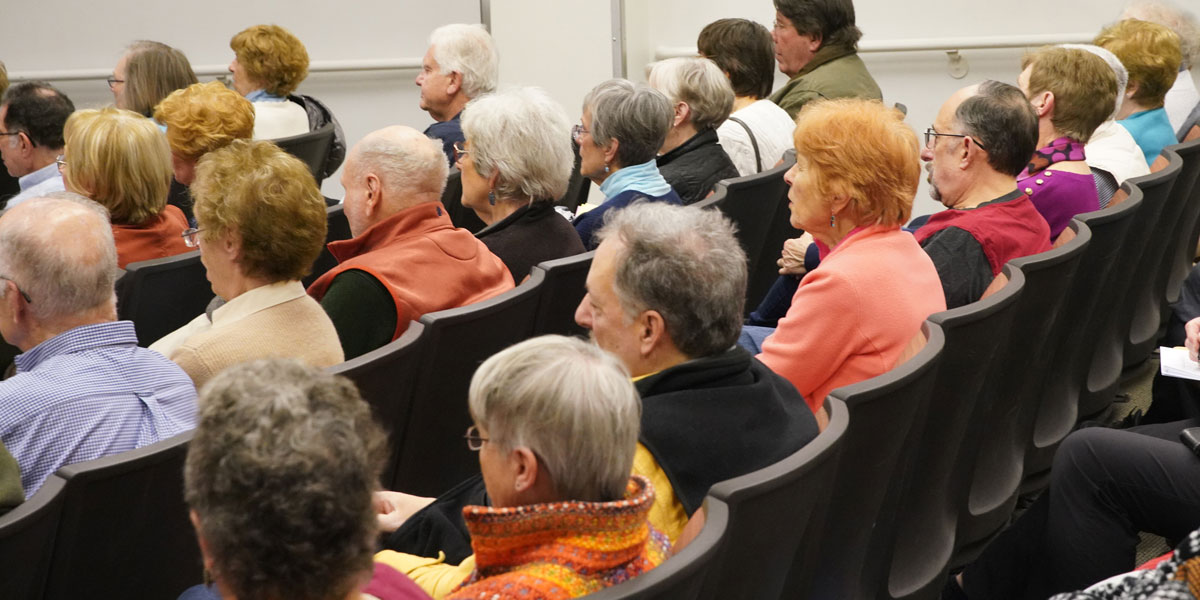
{"points": [[980, 142], [9, 185], [1151, 54], [816, 45], [260, 224], [1183, 96], [32, 115], [146, 73], [279, 477], [268, 64], [556, 423], [758, 132], [82, 389], [622, 127], [1155, 579], [460, 64], [121, 160], [1072, 93], [515, 162], [852, 188], [691, 158], [406, 258], [199, 119], [1111, 148]]}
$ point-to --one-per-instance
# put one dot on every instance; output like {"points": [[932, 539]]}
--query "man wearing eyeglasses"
{"points": [[32, 115], [460, 64], [982, 138]]}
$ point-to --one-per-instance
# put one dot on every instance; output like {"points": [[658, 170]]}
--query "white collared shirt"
{"points": [[45, 180]]}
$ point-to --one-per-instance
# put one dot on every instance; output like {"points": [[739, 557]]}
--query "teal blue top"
{"points": [[1151, 130]]}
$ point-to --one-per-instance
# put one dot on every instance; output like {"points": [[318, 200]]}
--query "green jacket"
{"points": [[833, 72]]}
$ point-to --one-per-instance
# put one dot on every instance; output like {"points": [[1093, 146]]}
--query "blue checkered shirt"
{"points": [[90, 392]]}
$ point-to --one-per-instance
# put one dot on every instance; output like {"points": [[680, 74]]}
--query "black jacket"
{"points": [[696, 166]]}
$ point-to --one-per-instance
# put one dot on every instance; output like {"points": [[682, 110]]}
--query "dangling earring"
{"points": [[492, 198], [832, 221], [606, 167]]}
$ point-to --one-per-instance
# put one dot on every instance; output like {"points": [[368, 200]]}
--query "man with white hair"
{"points": [[406, 258], [460, 64], [83, 388]]}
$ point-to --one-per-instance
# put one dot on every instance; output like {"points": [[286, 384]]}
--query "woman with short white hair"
{"points": [[515, 161], [691, 158]]}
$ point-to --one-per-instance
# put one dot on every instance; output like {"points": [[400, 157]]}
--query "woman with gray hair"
{"points": [[692, 159], [622, 127], [515, 162]]}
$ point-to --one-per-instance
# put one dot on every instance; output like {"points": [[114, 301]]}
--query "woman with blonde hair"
{"points": [[1151, 53], [146, 73], [121, 160], [268, 64]]}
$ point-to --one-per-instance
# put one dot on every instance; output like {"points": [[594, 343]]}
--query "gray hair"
{"points": [[406, 161], [285, 457], [1113, 62], [1001, 119], [59, 249], [525, 135], [1171, 16], [469, 51], [571, 403], [686, 264], [636, 115], [697, 82]]}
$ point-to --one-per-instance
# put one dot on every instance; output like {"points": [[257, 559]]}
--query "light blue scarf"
{"points": [[643, 178], [263, 96]]}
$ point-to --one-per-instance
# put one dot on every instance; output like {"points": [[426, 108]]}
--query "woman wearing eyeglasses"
{"points": [[121, 160], [260, 225], [623, 126], [147, 73], [515, 162]]}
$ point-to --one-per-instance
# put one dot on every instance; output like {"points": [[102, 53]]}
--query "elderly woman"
{"points": [[515, 162], [857, 170], [120, 159], [279, 477], [1111, 148], [1151, 54], [1072, 92], [623, 126], [260, 225], [758, 132], [268, 64], [147, 73], [816, 46], [1183, 96], [691, 159], [556, 424]]}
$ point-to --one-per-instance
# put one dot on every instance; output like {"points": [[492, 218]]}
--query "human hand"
{"points": [[792, 261], [1193, 337], [394, 508]]}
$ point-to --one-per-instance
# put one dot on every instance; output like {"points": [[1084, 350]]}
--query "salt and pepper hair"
{"points": [[1001, 119], [63, 278], [526, 136], [697, 82], [831, 21], [684, 263], [636, 115], [38, 109], [569, 402], [1170, 15], [280, 474], [411, 164], [1114, 63], [469, 51]]}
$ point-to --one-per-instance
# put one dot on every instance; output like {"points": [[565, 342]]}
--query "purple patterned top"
{"points": [[1058, 195]]}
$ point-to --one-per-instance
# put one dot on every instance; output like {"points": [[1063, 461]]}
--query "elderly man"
{"points": [[406, 258], [32, 115], [816, 46], [981, 140], [460, 64], [83, 389]]}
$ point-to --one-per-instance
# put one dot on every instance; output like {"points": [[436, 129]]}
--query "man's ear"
{"points": [[453, 83], [374, 199], [651, 330]]}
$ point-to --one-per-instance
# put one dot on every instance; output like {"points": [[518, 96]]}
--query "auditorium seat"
{"points": [[578, 186], [848, 555], [337, 228], [312, 148], [27, 541], [1187, 191], [385, 377], [563, 289], [163, 294], [460, 215]]}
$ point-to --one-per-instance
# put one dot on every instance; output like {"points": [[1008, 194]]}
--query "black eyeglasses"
{"points": [[113, 81], [930, 134], [28, 300], [474, 440]]}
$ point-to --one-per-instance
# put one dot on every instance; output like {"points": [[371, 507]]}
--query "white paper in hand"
{"points": [[1174, 362]]}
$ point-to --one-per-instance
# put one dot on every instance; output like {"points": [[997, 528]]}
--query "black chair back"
{"points": [[681, 575], [27, 536], [563, 289], [336, 228], [163, 294], [433, 456], [460, 215], [771, 511], [312, 148], [125, 531], [927, 517], [1187, 192], [849, 555], [385, 378], [577, 187]]}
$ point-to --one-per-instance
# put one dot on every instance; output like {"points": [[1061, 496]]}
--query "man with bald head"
{"points": [[982, 138], [406, 258], [83, 388]]}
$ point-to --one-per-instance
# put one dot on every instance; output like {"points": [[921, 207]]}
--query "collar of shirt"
{"points": [[85, 337], [38, 176], [644, 178], [263, 96]]}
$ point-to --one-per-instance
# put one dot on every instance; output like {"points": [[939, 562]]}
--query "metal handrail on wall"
{"points": [[327, 66]]}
